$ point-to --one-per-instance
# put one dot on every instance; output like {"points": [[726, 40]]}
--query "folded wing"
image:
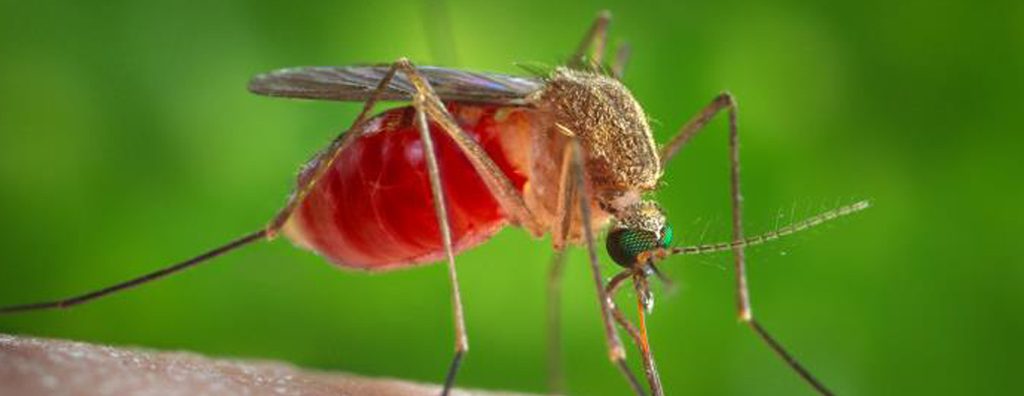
{"points": [[357, 83]]}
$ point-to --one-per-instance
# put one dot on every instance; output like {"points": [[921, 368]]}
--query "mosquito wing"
{"points": [[357, 83]]}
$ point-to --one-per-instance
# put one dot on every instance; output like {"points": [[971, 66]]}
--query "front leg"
{"points": [[726, 101], [574, 195]]}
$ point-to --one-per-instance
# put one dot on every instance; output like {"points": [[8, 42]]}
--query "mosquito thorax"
{"points": [[639, 228], [612, 128]]}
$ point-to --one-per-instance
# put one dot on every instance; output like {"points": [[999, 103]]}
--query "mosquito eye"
{"points": [[625, 244], [666, 236]]}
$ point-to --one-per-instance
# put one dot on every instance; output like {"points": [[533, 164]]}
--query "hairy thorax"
{"points": [[621, 157]]}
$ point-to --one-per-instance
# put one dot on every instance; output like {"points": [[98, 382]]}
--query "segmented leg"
{"points": [[325, 159], [319, 166], [574, 186], [564, 217], [725, 101], [461, 341], [152, 276], [613, 286], [590, 53], [508, 197], [427, 103], [588, 56], [322, 162]]}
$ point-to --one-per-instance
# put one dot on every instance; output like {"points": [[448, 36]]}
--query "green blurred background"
{"points": [[128, 141]]}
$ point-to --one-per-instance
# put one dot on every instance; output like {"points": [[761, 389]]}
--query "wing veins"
{"points": [[357, 83]]}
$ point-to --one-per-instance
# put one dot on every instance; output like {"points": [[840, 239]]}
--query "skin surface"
{"points": [[36, 366]]}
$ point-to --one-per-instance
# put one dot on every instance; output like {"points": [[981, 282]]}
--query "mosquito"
{"points": [[564, 153]]}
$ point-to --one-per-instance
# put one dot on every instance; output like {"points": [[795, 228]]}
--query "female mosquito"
{"points": [[564, 153]]}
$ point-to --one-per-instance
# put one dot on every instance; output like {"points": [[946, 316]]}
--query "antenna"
{"points": [[769, 236]]}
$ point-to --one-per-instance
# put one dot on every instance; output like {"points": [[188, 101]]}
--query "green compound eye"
{"points": [[625, 244]]}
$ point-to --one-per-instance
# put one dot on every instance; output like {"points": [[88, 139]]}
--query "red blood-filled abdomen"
{"points": [[374, 209]]}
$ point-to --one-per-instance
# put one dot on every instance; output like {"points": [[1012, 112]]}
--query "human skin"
{"points": [[37, 366]]}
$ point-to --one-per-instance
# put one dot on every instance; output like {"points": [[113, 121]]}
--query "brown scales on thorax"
{"points": [[621, 157]]}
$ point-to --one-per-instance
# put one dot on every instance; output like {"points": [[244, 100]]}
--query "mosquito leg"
{"points": [[559, 236], [425, 102], [746, 313], [317, 168], [635, 335], [440, 208], [622, 54], [152, 276], [428, 104], [725, 101], [322, 162], [564, 216], [639, 336], [694, 125], [574, 185], [613, 286], [508, 197], [589, 54]]}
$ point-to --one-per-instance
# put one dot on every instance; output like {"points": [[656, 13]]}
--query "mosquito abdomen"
{"points": [[373, 209]]}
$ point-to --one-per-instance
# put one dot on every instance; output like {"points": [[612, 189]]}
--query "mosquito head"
{"points": [[639, 228]]}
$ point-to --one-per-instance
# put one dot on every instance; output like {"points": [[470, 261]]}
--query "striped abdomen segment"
{"points": [[374, 209]]}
